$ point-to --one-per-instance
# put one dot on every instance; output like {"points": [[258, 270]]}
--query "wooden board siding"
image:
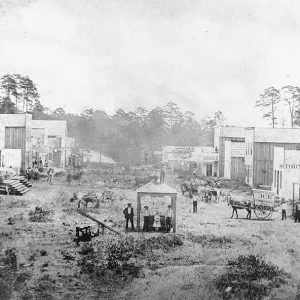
{"points": [[221, 157], [237, 168], [15, 139], [263, 161]]}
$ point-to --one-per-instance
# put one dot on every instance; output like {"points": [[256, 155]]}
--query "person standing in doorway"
{"points": [[128, 212], [156, 223], [146, 218], [169, 217]]}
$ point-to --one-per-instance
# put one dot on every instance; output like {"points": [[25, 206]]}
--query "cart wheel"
{"points": [[262, 213]]}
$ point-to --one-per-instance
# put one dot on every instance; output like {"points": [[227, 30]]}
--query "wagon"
{"points": [[262, 202]]}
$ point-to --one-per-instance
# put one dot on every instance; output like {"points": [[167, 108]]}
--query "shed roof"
{"points": [[152, 188]]}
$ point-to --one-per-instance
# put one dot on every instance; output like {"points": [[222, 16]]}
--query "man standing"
{"points": [[169, 216], [162, 174], [146, 219], [283, 210], [128, 212], [195, 202], [297, 214]]}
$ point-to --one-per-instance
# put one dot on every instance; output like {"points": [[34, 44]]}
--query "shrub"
{"points": [[39, 215], [249, 277]]}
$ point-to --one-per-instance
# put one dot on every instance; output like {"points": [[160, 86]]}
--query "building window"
{"points": [[275, 172], [251, 148]]}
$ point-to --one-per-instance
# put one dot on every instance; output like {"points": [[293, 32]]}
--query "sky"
{"points": [[205, 56]]}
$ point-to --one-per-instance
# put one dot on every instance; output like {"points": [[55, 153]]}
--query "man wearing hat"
{"points": [[169, 216], [146, 219], [128, 212]]}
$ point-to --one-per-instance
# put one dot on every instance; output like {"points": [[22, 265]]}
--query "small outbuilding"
{"points": [[156, 191]]}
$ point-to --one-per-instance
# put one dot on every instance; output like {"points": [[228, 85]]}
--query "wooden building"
{"points": [[286, 173], [23, 140], [260, 143], [230, 144], [204, 159]]}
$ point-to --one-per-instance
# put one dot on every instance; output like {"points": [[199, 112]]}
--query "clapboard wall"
{"points": [[237, 168], [263, 161]]}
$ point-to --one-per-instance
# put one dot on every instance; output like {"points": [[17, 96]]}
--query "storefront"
{"points": [[286, 177]]}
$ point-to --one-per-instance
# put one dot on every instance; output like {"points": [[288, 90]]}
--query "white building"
{"points": [[91, 156], [230, 143], [286, 173], [204, 159], [260, 144], [23, 140]]}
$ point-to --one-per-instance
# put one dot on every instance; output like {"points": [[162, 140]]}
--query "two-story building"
{"points": [[260, 144], [286, 173], [24, 141], [230, 144], [204, 159]]}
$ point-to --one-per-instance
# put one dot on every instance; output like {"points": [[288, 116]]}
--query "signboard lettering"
{"points": [[289, 166]]}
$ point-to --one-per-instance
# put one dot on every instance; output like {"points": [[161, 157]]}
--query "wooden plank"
{"points": [[97, 221]]}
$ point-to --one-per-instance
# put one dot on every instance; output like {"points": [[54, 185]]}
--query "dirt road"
{"points": [[47, 256]]}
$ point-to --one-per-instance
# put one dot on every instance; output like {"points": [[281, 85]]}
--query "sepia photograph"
{"points": [[149, 150]]}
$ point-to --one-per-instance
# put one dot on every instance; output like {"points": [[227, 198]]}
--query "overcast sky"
{"points": [[204, 55]]}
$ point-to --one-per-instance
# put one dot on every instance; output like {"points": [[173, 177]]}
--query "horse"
{"points": [[191, 188], [184, 188], [90, 197], [245, 205]]}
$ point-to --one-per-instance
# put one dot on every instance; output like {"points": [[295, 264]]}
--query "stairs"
{"points": [[18, 185]]}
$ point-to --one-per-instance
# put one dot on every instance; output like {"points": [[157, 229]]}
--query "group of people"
{"points": [[149, 221], [39, 163], [34, 174]]}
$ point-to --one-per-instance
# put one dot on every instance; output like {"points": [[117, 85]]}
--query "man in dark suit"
{"points": [[128, 212], [297, 213]]}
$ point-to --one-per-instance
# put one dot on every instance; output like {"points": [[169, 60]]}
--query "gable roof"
{"points": [[152, 188]]}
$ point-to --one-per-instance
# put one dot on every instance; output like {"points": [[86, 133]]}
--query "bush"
{"points": [[118, 255], [249, 277], [39, 215]]}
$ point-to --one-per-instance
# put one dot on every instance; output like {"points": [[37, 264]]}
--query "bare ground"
{"points": [[210, 238]]}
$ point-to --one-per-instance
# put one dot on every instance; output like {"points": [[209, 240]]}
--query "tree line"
{"points": [[126, 136], [271, 98]]}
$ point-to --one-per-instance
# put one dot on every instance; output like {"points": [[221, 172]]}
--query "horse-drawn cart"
{"points": [[262, 202]]}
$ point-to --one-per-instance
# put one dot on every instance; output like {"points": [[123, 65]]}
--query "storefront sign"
{"points": [[290, 166], [262, 197]]}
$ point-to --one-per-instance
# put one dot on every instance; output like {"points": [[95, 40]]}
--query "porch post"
{"points": [[173, 201], [138, 211]]}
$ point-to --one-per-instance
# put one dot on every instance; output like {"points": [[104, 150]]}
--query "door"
{"points": [[209, 170]]}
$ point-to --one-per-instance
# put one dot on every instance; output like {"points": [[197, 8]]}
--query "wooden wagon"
{"points": [[263, 203]]}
